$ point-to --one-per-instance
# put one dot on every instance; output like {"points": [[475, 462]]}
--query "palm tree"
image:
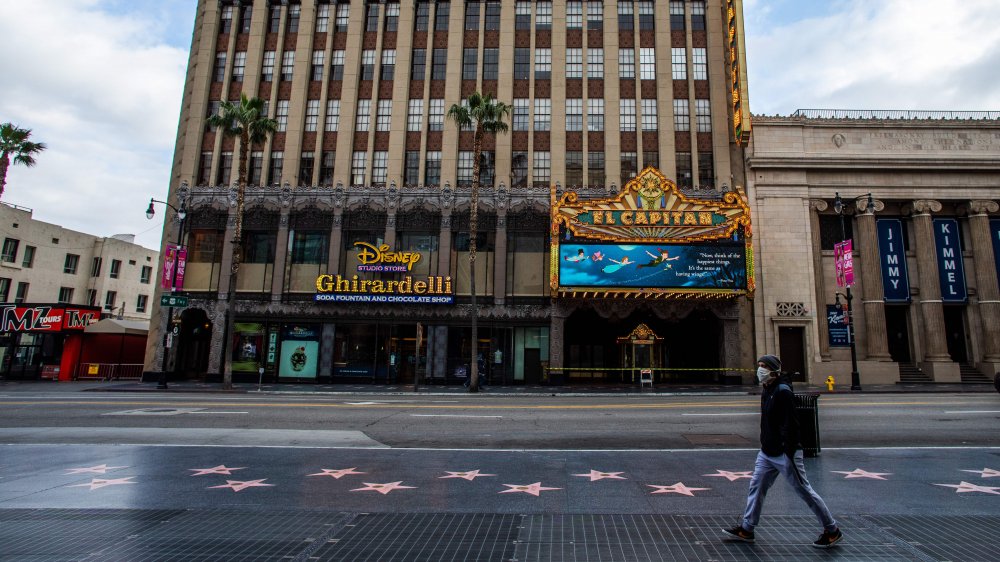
{"points": [[488, 115], [247, 121], [15, 148]]}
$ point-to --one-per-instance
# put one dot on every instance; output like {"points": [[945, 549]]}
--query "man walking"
{"points": [[780, 453]]}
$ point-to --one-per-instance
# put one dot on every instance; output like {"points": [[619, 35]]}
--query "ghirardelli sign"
{"points": [[46, 318]]}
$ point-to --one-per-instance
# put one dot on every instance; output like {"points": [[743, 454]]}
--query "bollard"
{"points": [[829, 383]]}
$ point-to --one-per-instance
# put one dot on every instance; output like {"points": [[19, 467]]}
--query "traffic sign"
{"points": [[173, 300]]}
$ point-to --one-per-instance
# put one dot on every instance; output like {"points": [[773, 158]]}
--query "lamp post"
{"points": [[838, 207], [181, 214]]}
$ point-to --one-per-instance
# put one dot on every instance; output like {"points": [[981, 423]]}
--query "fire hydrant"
{"points": [[829, 383]]}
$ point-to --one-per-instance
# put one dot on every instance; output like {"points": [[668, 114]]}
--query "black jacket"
{"points": [[779, 428]]}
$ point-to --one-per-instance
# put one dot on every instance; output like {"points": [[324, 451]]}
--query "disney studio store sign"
{"points": [[407, 289]]}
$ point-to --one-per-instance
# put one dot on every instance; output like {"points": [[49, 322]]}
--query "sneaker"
{"points": [[739, 534], [828, 539]]}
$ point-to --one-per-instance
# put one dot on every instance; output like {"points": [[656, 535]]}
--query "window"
{"points": [[65, 295], [256, 167], [343, 17], [543, 15], [470, 63], [574, 114], [626, 115], [435, 116], [71, 263], [22, 292], [423, 16], [706, 170], [492, 16], [245, 14], [204, 168], [318, 64], [287, 65], [411, 172], [332, 115], [368, 64], [239, 66], [145, 274], [276, 168], [267, 72], [415, 115], [392, 17], [651, 158], [699, 63], [543, 64], [595, 15], [4, 289], [91, 297], [626, 63], [225, 168], [542, 169], [312, 114], [116, 268], [574, 168], [522, 15], [646, 19], [472, 124], [140, 303], [322, 18], [682, 115], [432, 169], [520, 114], [358, 168], [491, 64], [28, 260], [439, 66], [371, 19], [595, 114], [703, 116], [227, 20], [574, 15], [219, 72], [310, 247], [292, 22], [595, 168], [698, 15], [626, 13], [677, 15], [647, 64], [337, 65], [649, 122], [441, 15], [465, 160], [380, 167], [281, 115], [684, 169], [388, 65], [471, 16], [274, 19], [383, 119], [306, 164], [629, 163], [418, 69], [574, 63], [519, 169], [595, 64], [522, 64], [95, 267], [543, 114], [363, 116], [326, 169], [678, 63]]}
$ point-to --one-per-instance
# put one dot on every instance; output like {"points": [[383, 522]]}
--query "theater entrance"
{"points": [[641, 349]]}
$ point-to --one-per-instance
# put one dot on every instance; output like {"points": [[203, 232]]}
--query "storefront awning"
{"points": [[119, 327]]}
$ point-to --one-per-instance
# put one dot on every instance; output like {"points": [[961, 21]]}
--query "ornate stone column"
{"points": [[228, 239], [987, 290], [500, 247], [557, 330], [281, 248], [217, 316], [336, 229], [872, 294], [816, 206], [391, 205], [935, 344], [444, 238]]}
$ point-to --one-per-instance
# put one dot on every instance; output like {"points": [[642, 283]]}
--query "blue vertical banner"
{"points": [[892, 258], [951, 268], [995, 236]]}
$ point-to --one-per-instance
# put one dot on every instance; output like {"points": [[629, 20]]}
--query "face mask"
{"points": [[763, 373]]}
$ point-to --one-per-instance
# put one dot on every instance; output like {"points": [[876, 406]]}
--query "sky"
{"points": [[100, 83]]}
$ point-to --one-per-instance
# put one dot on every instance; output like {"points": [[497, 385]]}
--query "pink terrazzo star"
{"points": [[99, 469], [533, 489], [469, 475], [595, 475], [986, 472], [96, 483], [383, 488], [337, 473], [858, 473], [678, 488], [239, 485], [965, 487], [221, 469], [731, 476]]}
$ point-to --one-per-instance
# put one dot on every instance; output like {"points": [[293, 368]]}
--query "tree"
{"points": [[247, 121], [488, 116], [15, 148]]}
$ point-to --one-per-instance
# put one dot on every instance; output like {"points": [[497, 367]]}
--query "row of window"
{"points": [[11, 245], [66, 296]]}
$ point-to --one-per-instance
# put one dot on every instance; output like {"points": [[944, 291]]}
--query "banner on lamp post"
{"points": [[843, 253], [169, 263], [180, 264]]}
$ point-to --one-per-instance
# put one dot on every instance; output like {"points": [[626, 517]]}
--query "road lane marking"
{"points": [[218, 412], [452, 416], [973, 412], [727, 414]]}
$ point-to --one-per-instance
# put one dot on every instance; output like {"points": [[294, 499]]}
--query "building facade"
{"points": [[926, 251]]}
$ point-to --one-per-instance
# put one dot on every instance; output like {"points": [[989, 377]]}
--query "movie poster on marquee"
{"points": [[662, 266]]}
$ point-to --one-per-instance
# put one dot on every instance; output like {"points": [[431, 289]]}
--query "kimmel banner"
{"points": [[45, 318]]}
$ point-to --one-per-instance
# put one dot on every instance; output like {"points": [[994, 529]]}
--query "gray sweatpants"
{"points": [[766, 471]]}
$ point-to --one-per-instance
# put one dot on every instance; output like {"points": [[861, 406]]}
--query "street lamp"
{"points": [[838, 207], [181, 214]]}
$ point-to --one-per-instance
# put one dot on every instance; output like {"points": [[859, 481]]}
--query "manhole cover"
{"points": [[716, 439]]}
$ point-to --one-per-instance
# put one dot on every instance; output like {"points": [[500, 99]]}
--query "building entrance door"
{"points": [[791, 342], [898, 334], [641, 349], [954, 327]]}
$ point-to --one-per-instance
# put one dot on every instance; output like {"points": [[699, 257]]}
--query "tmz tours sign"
{"points": [[45, 318]]}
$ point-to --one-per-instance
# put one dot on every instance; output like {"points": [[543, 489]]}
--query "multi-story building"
{"points": [[365, 153], [45, 267]]}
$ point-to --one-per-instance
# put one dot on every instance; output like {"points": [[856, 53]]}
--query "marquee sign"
{"points": [[433, 289], [653, 240]]}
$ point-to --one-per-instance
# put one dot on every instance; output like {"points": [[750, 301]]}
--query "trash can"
{"points": [[807, 412]]}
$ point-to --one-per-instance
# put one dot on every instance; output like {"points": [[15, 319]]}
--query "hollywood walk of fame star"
{"points": [[337, 473], [729, 475], [595, 475], [964, 487], [238, 485], [469, 475], [96, 483], [986, 472], [678, 488], [533, 489], [382, 488], [858, 473], [99, 469], [221, 469]]}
